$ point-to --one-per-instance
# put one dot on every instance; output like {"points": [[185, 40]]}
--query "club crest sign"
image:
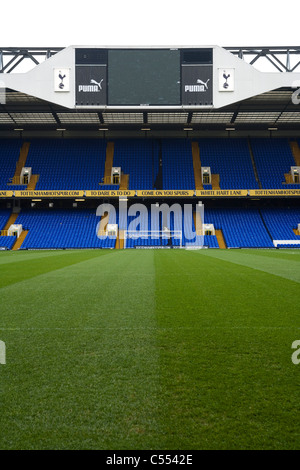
{"points": [[61, 80], [226, 79]]}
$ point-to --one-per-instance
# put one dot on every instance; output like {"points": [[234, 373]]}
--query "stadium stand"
{"points": [[4, 216], [158, 141], [230, 158], [79, 164], [242, 227], [7, 242], [62, 229], [273, 158], [139, 159], [178, 172], [68, 164], [281, 222], [9, 155]]}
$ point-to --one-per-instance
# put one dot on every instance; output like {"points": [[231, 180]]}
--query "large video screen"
{"points": [[139, 77]]}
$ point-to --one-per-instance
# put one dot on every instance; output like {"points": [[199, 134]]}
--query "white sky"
{"points": [[62, 23]]}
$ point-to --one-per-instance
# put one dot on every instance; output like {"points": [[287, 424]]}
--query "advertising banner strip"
{"points": [[222, 193], [117, 193], [274, 192], [46, 194], [166, 193], [148, 193]]}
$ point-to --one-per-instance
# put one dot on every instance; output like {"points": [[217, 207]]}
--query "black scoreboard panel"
{"points": [[144, 77]]}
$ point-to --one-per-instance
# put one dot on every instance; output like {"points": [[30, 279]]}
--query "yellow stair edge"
{"points": [[20, 240], [33, 182], [197, 165], [110, 148], [295, 151], [22, 159], [12, 218], [120, 240], [124, 181], [221, 239], [215, 181]]}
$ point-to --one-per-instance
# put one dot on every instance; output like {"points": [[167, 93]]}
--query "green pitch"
{"points": [[149, 349]]}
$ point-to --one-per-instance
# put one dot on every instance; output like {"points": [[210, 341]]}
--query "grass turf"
{"points": [[149, 349]]}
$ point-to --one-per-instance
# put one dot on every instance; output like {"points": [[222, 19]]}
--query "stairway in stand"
{"points": [[33, 182], [197, 166], [215, 181], [13, 217], [20, 163], [295, 151], [109, 161], [124, 182], [20, 240], [221, 239], [120, 240]]}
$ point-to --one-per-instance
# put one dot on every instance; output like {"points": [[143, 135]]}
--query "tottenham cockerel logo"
{"points": [[61, 77], [226, 76]]}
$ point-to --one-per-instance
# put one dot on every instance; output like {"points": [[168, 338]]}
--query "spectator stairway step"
{"points": [[109, 161], [20, 163], [197, 165], [20, 240], [13, 217], [215, 181], [221, 239], [33, 182], [120, 240], [124, 182], [295, 151]]}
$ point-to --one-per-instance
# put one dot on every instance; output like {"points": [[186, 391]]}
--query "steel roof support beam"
{"points": [[13, 53], [271, 54]]}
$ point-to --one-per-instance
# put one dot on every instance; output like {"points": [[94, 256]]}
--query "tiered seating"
{"points": [[68, 164], [7, 242], [9, 155], [145, 225], [4, 216], [230, 158], [139, 159], [273, 158], [281, 222], [62, 229], [178, 171], [242, 228], [176, 223]]}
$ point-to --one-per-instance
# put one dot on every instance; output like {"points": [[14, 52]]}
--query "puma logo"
{"points": [[203, 83], [96, 83]]}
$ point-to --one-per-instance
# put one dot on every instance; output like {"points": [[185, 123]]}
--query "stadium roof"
{"points": [[252, 107], [273, 109]]}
